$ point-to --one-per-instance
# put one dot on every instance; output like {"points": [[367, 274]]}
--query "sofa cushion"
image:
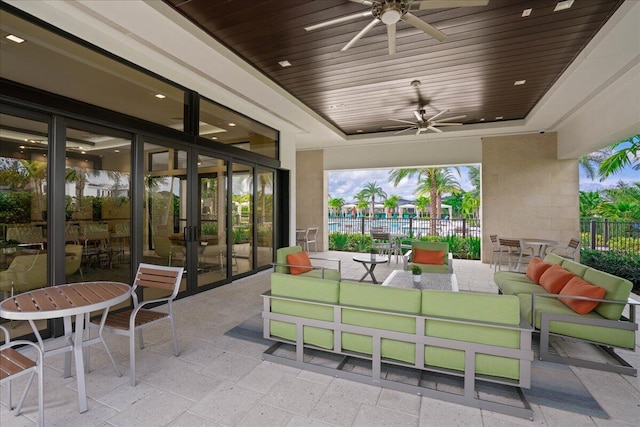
{"points": [[320, 273], [599, 334], [381, 298], [299, 263], [554, 279], [431, 246], [473, 306], [309, 288], [425, 256], [578, 287], [574, 267], [552, 258], [536, 268], [617, 289]]}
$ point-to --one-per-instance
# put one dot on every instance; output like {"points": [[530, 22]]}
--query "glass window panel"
{"points": [[242, 199], [98, 206], [221, 124], [264, 217], [23, 210]]}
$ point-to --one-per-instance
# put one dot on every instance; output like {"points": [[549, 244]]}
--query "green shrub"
{"points": [[338, 241], [621, 264]]}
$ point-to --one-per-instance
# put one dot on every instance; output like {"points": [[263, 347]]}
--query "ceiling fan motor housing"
{"points": [[390, 11]]}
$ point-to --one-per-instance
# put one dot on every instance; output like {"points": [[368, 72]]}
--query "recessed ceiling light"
{"points": [[116, 151], [563, 5], [14, 38], [519, 82], [482, 119], [160, 96], [285, 64], [499, 117], [22, 147], [526, 12], [83, 152], [359, 131], [214, 137], [232, 124]]}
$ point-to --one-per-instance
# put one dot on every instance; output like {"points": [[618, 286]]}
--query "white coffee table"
{"points": [[436, 281]]}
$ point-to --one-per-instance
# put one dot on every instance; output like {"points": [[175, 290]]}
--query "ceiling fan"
{"points": [[392, 11], [425, 124]]}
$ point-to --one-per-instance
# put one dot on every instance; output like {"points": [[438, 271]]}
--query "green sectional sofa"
{"points": [[320, 271], [445, 266], [605, 325], [476, 336]]}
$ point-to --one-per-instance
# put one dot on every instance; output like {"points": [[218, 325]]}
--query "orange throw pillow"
{"points": [[536, 268], [299, 263], [554, 279], [578, 287], [424, 256]]}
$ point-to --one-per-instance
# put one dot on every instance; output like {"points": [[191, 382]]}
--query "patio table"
{"points": [[542, 244], [369, 262], [65, 301]]}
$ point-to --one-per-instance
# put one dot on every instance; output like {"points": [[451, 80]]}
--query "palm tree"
{"points": [[474, 177], [626, 156], [392, 203], [421, 204], [336, 203], [37, 173], [427, 183], [370, 191], [591, 162], [589, 201], [446, 184]]}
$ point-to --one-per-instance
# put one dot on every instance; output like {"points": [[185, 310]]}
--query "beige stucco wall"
{"points": [[311, 201], [526, 191]]}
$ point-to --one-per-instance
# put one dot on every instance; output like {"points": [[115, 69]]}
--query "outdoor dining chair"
{"points": [[129, 322], [570, 251], [514, 252], [495, 250], [381, 241], [14, 364]]}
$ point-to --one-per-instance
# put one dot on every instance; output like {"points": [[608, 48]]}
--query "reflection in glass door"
{"points": [[264, 219], [164, 209], [212, 217], [23, 210], [242, 217]]}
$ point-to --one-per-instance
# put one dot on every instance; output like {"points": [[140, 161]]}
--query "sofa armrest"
{"points": [[313, 267], [450, 262], [338, 261], [406, 259], [630, 302]]}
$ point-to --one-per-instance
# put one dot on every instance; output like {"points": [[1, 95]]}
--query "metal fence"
{"points": [[606, 235], [416, 227]]}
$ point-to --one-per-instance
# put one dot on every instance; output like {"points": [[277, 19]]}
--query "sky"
{"points": [[346, 184]]}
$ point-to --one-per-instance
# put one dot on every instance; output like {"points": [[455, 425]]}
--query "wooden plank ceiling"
{"points": [[472, 72]]}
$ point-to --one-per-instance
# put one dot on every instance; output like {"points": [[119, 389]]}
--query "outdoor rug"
{"points": [[552, 384]]}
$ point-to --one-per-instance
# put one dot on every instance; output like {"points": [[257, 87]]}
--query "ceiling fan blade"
{"points": [[391, 38], [340, 20], [362, 32], [447, 124], [435, 117], [412, 19], [447, 4], [418, 116], [403, 130], [402, 121], [435, 129], [364, 2], [452, 118]]}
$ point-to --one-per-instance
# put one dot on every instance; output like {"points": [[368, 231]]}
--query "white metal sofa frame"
{"points": [[14, 364], [128, 322], [470, 397]]}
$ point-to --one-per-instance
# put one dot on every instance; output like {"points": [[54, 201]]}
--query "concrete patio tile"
{"points": [[434, 412], [295, 395], [335, 410], [227, 404], [400, 402], [199, 352], [265, 376], [352, 390], [315, 377], [157, 408], [182, 379], [188, 419], [265, 415], [230, 367], [298, 421], [121, 398], [371, 416]]}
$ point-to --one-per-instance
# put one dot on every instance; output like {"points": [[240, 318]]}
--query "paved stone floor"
{"points": [[222, 381]]}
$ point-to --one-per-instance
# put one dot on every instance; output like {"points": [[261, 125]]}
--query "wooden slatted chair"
{"points": [[129, 322], [14, 364]]}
